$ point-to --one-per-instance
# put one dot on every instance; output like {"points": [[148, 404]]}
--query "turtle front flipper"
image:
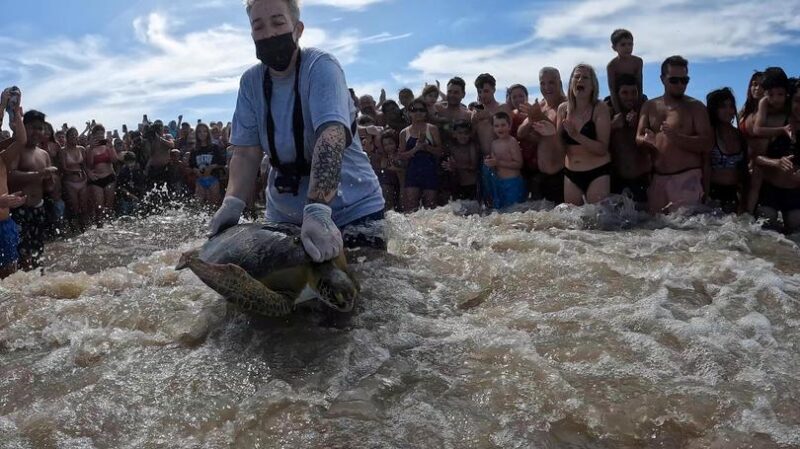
{"points": [[237, 286]]}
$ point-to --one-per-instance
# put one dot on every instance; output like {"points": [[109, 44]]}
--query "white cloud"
{"points": [[343, 4], [76, 80], [567, 33]]}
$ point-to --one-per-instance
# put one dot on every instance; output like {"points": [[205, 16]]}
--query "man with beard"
{"points": [[631, 166], [675, 129], [486, 108]]}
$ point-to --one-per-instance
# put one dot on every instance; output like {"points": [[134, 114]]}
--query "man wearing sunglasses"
{"points": [[676, 130]]}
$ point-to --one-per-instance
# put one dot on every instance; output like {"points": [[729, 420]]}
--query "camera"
{"points": [[288, 179]]}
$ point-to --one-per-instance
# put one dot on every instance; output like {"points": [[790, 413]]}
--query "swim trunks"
{"points": [[32, 226], [552, 186], [675, 190], [488, 184], [509, 192], [782, 200], [726, 196], [637, 187], [9, 240]]}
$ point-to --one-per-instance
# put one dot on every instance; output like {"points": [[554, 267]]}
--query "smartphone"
{"points": [[14, 95]]}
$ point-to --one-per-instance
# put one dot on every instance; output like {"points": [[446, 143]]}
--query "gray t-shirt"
{"points": [[325, 99]]}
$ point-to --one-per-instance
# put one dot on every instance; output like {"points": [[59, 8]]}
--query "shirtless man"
{"points": [[9, 237], [486, 108], [158, 148], [464, 161], [449, 113], [32, 173], [506, 160], [631, 166], [367, 106], [676, 129], [539, 128]]}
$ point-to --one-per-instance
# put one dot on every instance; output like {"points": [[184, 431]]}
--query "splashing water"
{"points": [[588, 327]]}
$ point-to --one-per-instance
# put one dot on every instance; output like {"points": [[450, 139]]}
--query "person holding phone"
{"points": [[9, 236], [32, 174], [296, 107]]}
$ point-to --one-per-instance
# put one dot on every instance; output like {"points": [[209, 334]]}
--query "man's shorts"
{"points": [[9, 241]]}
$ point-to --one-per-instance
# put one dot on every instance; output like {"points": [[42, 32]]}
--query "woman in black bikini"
{"points": [[100, 158], [584, 127], [727, 161]]}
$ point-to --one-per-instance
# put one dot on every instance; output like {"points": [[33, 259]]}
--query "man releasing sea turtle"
{"points": [[264, 269]]}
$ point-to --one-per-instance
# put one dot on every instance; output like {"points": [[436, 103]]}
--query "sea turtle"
{"points": [[264, 269]]}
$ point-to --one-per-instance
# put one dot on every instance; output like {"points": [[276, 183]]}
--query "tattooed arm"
{"points": [[326, 164]]}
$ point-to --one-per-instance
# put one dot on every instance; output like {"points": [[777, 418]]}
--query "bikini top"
{"points": [[589, 130], [102, 158], [722, 160]]}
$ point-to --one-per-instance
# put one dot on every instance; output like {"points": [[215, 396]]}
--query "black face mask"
{"points": [[276, 51]]}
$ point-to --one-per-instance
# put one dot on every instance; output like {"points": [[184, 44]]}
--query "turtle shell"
{"points": [[261, 249]]}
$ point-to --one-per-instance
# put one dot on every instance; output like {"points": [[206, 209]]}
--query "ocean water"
{"points": [[590, 327]]}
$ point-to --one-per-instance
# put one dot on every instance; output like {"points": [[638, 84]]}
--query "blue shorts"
{"points": [[207, 182], [422, 172], [9, 240], [509, 192], [488, 184]]}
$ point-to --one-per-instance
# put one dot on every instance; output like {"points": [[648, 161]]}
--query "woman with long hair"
{"points": [[584, 129], [73, 163], [727, 162], [100, 159], [206, 160]]}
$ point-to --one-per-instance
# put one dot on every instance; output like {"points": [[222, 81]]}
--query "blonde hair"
{"points": [[294, 7], [593, 98]]}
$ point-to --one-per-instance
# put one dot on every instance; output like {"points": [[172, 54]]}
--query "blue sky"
{"points": [[114, 60]]}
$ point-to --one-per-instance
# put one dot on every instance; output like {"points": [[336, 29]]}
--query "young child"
{"points": [[506, 161], [464, 161], [624, 63]]}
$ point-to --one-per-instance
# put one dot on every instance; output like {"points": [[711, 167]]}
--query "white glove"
{"points": [[321, 238], [227, 215]]}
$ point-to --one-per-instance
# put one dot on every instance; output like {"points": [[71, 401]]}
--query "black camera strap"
{"points": [[300, 166]]}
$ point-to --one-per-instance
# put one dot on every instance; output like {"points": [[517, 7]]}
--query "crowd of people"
{"points": [[665, 153]]}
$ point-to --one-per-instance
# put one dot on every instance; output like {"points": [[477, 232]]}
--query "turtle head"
{"points": [[336, 288], [187, 258]]}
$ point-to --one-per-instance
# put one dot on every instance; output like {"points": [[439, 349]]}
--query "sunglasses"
{"points": [[678, 80]]}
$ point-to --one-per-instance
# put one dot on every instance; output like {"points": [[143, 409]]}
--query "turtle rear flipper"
{"points": [[237, 286]]}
